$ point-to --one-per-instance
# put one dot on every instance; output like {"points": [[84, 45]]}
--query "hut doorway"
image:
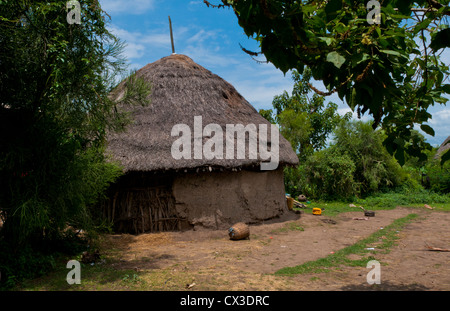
{"points": [[137, 205]]}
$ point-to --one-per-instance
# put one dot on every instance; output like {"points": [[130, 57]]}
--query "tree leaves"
{"points": [[441, 40], [55, 80], [337, 59], [380, 69], [395, 53], [328, 40], [332, 8], [445, 157], [427, 129]]}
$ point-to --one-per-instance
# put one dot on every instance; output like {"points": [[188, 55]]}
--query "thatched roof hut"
{"points": [[197, 191], [181, 90], [444, 147]]}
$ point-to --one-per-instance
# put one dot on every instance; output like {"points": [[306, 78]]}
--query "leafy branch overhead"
{"points": [[390, 70]]}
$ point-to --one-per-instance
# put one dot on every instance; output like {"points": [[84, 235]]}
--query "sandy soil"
{"points": [[218, 263]]}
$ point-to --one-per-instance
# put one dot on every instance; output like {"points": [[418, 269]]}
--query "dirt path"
{"points": [[218, 263]]}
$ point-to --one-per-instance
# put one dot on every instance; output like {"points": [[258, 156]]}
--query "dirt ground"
{"points": [[217, 263]]}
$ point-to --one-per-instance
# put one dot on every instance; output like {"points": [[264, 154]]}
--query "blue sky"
{"points": [[211, 37]]}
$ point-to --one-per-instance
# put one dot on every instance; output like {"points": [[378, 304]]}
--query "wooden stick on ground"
{"points": [[437, 249]]}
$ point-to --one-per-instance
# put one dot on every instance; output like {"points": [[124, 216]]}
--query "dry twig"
{"points": [[437, 249]]}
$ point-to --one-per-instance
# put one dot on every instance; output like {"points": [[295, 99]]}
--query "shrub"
{"points": [[36, 258], [404, 198], [439, 176], [375, 168], [330, 174], [357, 164]]}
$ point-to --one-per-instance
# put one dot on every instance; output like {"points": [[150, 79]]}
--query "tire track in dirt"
{"points": [[408, 266]]}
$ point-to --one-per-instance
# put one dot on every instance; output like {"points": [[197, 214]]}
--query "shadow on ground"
{"points": [[385, 286]]}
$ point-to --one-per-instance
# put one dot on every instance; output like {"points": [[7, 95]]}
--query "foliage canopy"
{"points": [[389, 69]]}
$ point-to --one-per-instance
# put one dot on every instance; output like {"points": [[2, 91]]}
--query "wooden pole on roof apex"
{"points": [[171, 36]]}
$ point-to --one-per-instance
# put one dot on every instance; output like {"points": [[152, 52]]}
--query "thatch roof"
{"points": [[182, 89], [444, 146]]}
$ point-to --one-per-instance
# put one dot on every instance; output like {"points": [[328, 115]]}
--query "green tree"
{"points": [[429, 172], [55, 78], [306, 122], [355, 164], [439, 176], [386, 68], [330, 174], [375, 168], [303, 117]]}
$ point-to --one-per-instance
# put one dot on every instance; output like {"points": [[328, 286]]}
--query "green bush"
{"points": [[295, 182], [356, 164], [36, 258], [375, 168], [403, 198], [330, 175], [59, 194], [36, 222], [429, 172], [439, 176]]}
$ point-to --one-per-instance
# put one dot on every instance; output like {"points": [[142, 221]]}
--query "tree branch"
{"points": [[435, 4], [209, 4], [320, 92], [249, 52]]}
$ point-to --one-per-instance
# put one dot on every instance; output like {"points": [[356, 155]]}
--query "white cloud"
{"points": [[134, 50], [156, 39], [440, 122], [127, 7], [206, 48], [258, 83], [343, 110], [140, 44], [202, 35], [208, 57], [259, 93], [441, 117]]}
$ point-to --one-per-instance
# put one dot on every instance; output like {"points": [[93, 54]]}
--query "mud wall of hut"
{"points": [[217, 200], [146, 202]]}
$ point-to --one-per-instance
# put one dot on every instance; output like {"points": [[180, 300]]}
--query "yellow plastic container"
{"points": [[317, 211]]}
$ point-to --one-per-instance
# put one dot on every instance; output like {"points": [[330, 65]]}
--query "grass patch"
{"points": [[382, 201], [97, 277], [384, 238], [292, 226], [332, 209], [418, 199], [104, 277]]}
